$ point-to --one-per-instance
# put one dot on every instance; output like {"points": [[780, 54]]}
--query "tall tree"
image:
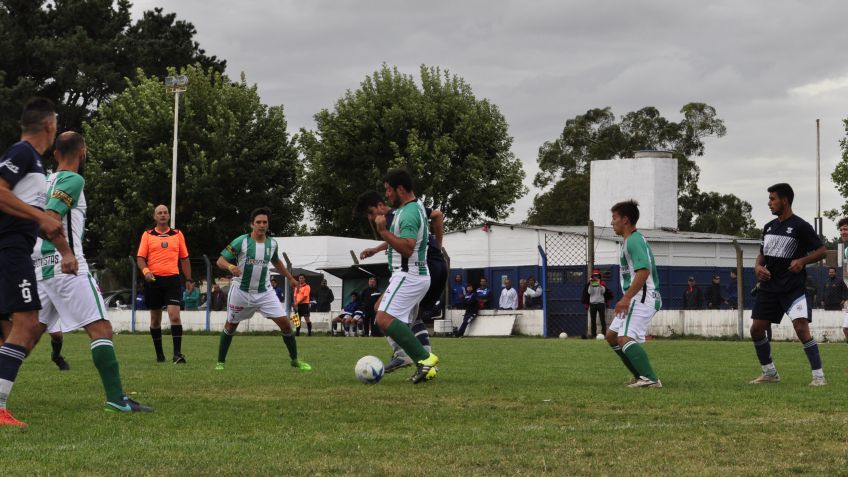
{"points": [[840, 179], [78, 52], [456, 146], [234, 155], [596, 135]]}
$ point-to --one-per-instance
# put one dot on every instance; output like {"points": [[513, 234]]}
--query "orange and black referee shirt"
{"points": [[163, 251]]}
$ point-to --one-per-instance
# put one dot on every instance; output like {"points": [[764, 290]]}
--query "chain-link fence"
{"points": [[565, 256]]}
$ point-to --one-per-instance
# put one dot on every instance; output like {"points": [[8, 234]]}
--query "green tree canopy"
{"points": [[596, 135], [234, 155], [840, 179], [78, 52], [456, 146]]}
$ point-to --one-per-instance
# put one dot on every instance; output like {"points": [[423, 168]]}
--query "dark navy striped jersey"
{"points": [[783, 242], [21, 168]]}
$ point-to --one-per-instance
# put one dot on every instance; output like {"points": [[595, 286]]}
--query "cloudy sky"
{"points": [[770, 68]]}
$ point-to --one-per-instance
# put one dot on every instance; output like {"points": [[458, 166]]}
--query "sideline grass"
{"points": [[515, 406]]}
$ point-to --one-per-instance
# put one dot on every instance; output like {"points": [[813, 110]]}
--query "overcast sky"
{"points": [[770, 68]]}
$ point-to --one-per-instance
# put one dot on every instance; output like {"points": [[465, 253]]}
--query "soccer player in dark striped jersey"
{"points": [[789, 245], [23, 189]]}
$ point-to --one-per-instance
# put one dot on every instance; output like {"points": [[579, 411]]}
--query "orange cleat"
{"points": [[7, 419]]}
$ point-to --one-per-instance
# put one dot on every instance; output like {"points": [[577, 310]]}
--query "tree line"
{"points": [[105, 73]]}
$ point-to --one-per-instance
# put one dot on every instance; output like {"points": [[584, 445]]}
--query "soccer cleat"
{"points": [[301, 365], [632, 380], [427, 369], [160, 358], [818, 381], [644, 382], [219, 367], [179, 359], [7, 419], [766, 378], [127, 405], [61, 363], [396, 363]]}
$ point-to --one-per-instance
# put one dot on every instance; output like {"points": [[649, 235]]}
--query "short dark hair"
{"points": [[354, 294], [397, 178], [627, 208], [36, 110], [69, 143], [368, 199], [301, 275], [260, 211], [832, 268], [783, 191], [842, 221]]}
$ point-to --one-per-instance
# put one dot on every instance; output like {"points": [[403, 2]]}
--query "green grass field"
{"points": [[514, 406]]}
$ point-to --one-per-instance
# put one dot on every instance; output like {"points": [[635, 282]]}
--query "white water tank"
{"points": [[650, 178]]}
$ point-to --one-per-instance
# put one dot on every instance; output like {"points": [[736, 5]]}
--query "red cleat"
{"points": [[7, 419]]}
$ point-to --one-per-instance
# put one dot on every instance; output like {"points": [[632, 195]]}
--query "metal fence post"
{"points": [[208, 289], [134, 292], [740, 298], [447, 291], [544, 291], [590, 265]]}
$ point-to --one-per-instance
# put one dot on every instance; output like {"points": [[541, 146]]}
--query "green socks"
{"points": [[403, 336], [224, 346], [639, 359], [624, 360], [291, 345], [103, 354]]}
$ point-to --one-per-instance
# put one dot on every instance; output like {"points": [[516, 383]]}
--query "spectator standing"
{"points": [[368, 299], [472, 305], [509, 297], [834, 291], [693, 297], [191, 298], [278, 290], [714, 298], [483, 294], [522, 287], [730, 291], [457, 293], [595, 297], [219, 299], [533, 295], [812, 291], [323, 297]]}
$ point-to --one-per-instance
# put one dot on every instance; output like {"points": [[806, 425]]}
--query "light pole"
{"points": [[176, 85]]}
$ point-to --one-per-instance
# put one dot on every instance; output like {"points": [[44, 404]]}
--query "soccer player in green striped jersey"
{"points": [[407, 256], [641, 300], [250, 290], [73, 301]]}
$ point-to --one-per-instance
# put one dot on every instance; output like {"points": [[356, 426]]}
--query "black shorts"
{"points": [[770, 306], [18, 290], [303, 310], [438, 277], [164, 291]]}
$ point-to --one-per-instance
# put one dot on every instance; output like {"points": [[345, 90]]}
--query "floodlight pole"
{"points": [[176, 85]]}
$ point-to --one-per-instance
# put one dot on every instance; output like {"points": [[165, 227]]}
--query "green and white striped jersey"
{"points": [[410, 221], [636, 255], [64, 196], [253, 259]]}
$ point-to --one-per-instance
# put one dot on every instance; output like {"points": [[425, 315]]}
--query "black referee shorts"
{"points": [[162, 292]]}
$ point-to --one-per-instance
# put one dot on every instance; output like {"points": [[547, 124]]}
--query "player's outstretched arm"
{"points": [[223, 264]]}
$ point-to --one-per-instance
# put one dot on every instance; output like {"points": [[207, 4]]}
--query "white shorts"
{"points": [[845, 319], [403, 294], [70, 302], [241, 305], [635, 323]]}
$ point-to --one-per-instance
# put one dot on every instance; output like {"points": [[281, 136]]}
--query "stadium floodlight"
{"points": [[176, 85]]}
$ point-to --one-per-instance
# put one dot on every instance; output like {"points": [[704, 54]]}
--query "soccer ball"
{"points": [[369, 370], [563, 335], [599, 337]]}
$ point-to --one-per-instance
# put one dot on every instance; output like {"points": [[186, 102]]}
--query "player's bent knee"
{"points": [[100, 329]]}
